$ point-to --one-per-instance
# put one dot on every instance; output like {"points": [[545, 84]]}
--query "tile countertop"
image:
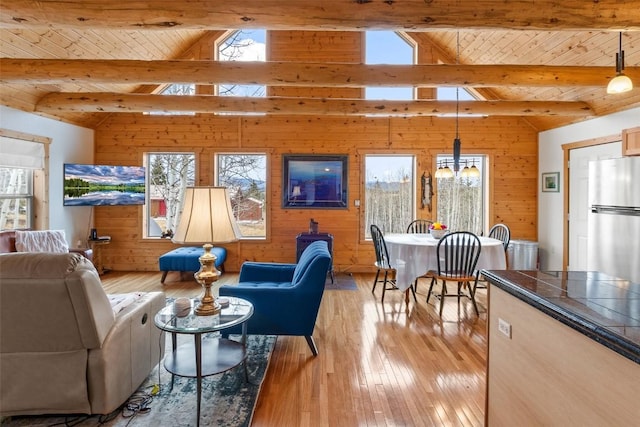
{"points": [[602, 307]]}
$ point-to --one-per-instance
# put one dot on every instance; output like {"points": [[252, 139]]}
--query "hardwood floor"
{"points": [[379, 364]]}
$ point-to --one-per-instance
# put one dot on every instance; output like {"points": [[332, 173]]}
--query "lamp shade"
{"points": [[619, 84], [206, 217]]}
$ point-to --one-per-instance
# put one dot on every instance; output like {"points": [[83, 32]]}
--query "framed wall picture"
{"points": [[551, 182], [314, 181]]}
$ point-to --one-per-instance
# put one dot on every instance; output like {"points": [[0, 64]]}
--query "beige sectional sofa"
{"points": [[62, 347]]}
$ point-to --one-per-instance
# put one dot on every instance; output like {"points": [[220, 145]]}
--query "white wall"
{"points": [[69, 144], [550, 159]]}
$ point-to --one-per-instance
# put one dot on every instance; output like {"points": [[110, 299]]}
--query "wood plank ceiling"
{"points": [[545, 59]]}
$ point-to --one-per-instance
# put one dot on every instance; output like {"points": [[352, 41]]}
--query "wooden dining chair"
{"points": [[419, 226], [383, 264], [500, 232], [457, 255]]}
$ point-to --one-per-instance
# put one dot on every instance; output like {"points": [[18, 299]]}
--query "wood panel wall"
{"points": [[509, 143]]}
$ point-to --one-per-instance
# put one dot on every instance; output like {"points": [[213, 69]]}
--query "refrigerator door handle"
{"points": [[616, 210]]}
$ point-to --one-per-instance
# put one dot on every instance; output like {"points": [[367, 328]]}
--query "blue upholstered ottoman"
{"points": [[186, 259]]}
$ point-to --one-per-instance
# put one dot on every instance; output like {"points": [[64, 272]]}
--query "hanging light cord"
{"points": [[457, 87], [620, 57]]}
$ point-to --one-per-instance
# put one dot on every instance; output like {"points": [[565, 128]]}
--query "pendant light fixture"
{"points": [[443, 170], [620, 83], [466, 170], [474, 172], [456, 141]]}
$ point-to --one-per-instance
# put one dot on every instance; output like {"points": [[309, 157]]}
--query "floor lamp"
{"points": [[206, 218]]}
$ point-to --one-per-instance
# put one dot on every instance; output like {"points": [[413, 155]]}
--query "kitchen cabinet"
{"points": [[631, 142]]}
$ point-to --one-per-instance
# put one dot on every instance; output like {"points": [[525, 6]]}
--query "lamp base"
{"points": [[207, 309], [206, 276]]}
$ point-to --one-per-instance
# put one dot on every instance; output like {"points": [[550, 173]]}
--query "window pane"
{"points": [[389, 195], [15, 181], [176, 89], [244, 45], [460, 198], [245, 175], [16, 198], [169, 175], [387, 47]]}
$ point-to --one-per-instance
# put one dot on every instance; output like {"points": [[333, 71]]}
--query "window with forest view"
{"points": [[460, 198], [16, 198], [389, 192], [245, 175], [169, 174]]}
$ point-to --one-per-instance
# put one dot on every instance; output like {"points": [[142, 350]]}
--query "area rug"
{"points": [[227, 400], [341, 282]]}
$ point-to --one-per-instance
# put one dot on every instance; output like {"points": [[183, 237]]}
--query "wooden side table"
{"points": [[96, 247], [305, 239]]}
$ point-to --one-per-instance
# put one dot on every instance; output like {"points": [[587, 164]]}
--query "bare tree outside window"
{"points": [[389, 193], [16, 198], [245, 176], [243, 45], [169, 174]]}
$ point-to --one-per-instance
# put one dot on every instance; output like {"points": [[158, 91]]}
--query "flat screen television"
{"points": [[101, 185]]}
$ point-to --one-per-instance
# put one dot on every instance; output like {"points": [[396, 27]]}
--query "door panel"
{"points": [[578, 198]]}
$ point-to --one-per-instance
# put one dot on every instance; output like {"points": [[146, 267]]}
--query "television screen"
{"points": [[96, 185]]}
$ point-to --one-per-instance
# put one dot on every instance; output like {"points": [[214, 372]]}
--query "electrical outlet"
{"points": [[356, 203], [504, 327]]}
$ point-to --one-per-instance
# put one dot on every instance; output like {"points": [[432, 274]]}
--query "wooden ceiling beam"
{"points": [[322, 14], [115, 102], [60, 71]]}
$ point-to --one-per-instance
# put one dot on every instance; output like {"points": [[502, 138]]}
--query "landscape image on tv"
{"points": [[99, 185]]}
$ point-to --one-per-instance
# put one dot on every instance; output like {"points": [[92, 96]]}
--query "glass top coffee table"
{"points": [[209, 356]]}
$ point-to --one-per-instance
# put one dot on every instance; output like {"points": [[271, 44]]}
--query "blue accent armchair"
{"points": [[286, 297]]}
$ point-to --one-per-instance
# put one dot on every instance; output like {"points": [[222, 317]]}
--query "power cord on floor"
{"points": [[71, 421], [137, 404]]}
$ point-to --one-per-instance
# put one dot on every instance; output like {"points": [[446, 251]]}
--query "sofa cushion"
{"points": [[57, 298], [41, 241]]}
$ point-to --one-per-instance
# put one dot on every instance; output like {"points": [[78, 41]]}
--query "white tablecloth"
{"points": [[412, 255]]}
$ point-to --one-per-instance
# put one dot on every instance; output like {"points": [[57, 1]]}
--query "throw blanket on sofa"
{"points": [[41, 241], [121, 301]]}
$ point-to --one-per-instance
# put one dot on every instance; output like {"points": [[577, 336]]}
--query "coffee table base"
{"points": [[220, 355]]}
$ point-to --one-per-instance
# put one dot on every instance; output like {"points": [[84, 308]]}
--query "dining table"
{"points": [[414, 254]]}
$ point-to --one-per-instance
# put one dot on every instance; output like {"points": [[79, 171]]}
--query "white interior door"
{"points": [[578, 198]]}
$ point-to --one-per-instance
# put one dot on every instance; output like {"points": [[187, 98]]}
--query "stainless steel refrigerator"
{"points": [[614, 217]]}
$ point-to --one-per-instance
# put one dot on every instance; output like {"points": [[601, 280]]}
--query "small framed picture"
{"points": [[551, 182]]}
